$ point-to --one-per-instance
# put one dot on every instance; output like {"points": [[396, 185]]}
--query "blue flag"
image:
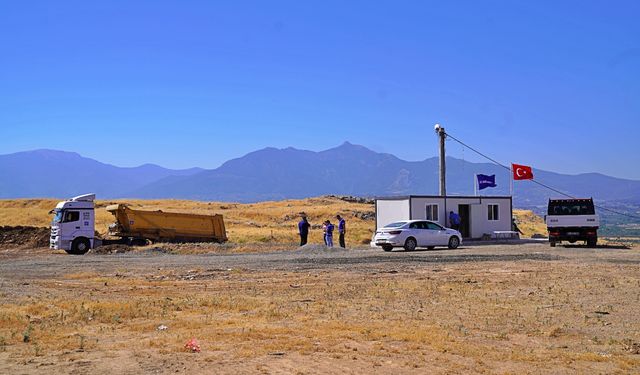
{"points": [[485, 181]]}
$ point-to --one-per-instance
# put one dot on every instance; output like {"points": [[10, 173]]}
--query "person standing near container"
{"points": [[303, 229], [342, 230], [454, 220]]}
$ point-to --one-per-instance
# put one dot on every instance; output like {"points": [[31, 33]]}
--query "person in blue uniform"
{"points": [[342, 230], [303, 229], [329, 235], [454, 220]]}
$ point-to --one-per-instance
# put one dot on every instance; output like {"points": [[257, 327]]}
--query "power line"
{"points": [[537, 182]]}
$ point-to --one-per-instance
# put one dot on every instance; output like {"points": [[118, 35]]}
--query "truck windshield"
{"points": [[57, 215], [571, 207]]}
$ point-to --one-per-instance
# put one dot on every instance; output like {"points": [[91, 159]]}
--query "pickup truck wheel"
{"points": [[410, 244], [387, 247], [80, 246], [591, 242], [454, 242]]}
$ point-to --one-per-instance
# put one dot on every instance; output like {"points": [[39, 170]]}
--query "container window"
{"points": [[493, 212], [432, 212]]}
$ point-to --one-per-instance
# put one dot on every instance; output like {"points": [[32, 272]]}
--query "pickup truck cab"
{"points": [[572, 220]]}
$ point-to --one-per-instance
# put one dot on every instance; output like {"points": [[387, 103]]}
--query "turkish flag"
{"points": [[521, 172]]}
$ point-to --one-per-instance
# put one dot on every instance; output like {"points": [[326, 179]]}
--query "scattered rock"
{"points": [[111, 249], [162, 327], [352, 199], [365, 215], [631, 346]]}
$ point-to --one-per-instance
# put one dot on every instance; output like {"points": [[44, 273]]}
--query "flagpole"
{"points": [[475, 184], [511, 181]]}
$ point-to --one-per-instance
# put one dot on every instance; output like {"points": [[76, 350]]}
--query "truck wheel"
{"points": [[79, 246], [387, 247], [454, 242], [410, 244], [592, 242]]}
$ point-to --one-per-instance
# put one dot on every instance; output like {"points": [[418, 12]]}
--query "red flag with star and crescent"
{"points": [[521, 172]]}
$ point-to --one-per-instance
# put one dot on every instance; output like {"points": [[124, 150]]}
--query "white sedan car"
{"points": [[416, 233]]}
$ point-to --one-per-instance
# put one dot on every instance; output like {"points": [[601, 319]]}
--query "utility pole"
{"points": [[443, 176]]}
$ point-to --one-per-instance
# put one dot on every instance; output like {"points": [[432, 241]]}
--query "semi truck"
{"points": [[73, 226], [572, 220]]}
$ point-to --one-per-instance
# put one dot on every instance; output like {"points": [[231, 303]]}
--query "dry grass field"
{"points": [[264, 222], [360, 311]]}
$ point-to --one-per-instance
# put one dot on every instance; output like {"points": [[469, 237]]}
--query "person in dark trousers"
{"points": [[342, 230], [454, 220], [329, 235], [303, 229]]}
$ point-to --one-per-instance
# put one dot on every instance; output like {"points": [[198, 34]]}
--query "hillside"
{"points": [[277, 174], [272, 174], [50, 173]]}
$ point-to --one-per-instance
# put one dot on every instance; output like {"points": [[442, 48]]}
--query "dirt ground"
{"points": [[478, 309]]}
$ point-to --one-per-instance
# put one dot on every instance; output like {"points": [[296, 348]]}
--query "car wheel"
{"points": [[431, 247], [454, 242], [387, 247], [410, 244], [592, 242], [552, 244], [79, 246]]}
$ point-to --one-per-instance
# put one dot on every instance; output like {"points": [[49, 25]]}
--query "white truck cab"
{"points": [[572, 220], [72, 228]]}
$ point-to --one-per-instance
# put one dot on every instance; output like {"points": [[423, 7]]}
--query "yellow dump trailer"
{"points": [[166, 226]]}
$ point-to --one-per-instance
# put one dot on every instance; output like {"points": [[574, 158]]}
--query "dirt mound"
{"points": [[22, 236]]}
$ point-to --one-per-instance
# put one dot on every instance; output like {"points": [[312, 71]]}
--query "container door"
{"points": [[465, 220]]}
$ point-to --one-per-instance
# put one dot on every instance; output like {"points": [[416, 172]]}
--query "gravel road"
{"points": [[46, 265]]}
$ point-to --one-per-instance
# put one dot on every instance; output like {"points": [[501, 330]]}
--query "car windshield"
{"points": [[396, 224], [57, 217], [434, 226]]}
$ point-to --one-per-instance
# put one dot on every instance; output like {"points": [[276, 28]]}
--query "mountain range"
{"points": [[274, 174]]}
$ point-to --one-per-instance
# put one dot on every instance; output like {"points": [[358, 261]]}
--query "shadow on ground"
{"points": [[601, 247]]}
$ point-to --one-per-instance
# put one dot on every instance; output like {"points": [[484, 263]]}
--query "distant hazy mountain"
{"points": [[49, 173], [272, 174]]}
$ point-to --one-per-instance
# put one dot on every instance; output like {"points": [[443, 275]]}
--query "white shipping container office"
{"points": [[478, 215]]}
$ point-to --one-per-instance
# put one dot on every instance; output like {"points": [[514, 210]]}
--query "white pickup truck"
{"points": [[572, 220]]}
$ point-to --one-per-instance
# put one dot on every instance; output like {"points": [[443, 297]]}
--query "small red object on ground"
{"points": [[192, 345]]}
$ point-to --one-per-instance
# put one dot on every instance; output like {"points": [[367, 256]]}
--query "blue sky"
{"points": [[555, 85]]}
